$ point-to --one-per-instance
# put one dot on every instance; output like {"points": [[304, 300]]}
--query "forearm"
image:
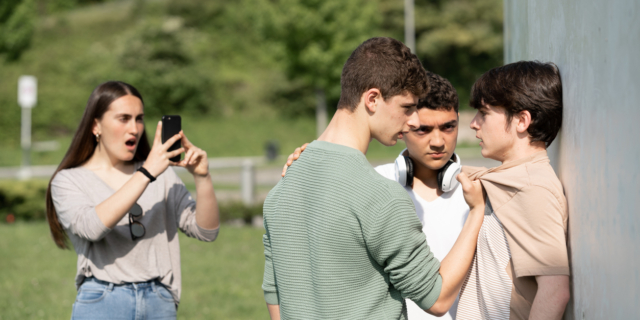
{"points": [[207, 212], [551, 298], [118, 204], [456, 264], [274, 311]]}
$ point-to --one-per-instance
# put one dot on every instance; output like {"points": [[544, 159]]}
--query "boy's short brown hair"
{"points": [[442, 95], [525, 85], [382, 63]]}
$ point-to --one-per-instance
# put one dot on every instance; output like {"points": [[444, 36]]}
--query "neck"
{"points": [[349, 129], [523, 149], [427, 176], [102, 161]]}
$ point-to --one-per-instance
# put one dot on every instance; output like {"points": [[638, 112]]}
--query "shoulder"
{"points": [[538, 204], [543, 180], [388, 171], [69, 176], [383, 190]]}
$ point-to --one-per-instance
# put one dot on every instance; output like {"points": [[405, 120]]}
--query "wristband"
{"points": [[146, 173]]}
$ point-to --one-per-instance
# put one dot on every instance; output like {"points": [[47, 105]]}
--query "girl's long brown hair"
{"points": [[84, 144]]}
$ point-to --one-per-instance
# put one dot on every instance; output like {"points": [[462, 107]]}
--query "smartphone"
{"points": [[171, 125]]}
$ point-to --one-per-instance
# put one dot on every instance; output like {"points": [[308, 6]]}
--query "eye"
{"points": [[409, 109]]}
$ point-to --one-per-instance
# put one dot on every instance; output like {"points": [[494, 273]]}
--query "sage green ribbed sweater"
{"points": [[343, 242]]}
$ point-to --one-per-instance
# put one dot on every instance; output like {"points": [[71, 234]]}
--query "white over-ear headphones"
{"points": [[446, 175]]}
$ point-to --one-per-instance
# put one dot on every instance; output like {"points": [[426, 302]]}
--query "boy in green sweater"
{"points": [[343, 242]]}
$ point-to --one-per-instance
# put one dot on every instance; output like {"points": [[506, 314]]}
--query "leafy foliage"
{"points": [[221, 59], [458, 39], [237, 210], [23, 199], [317, 37], [17, 19], [159, 59]]}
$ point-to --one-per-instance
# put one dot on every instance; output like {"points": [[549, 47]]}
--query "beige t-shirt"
{"points": [[110, 254], [523, 236]]}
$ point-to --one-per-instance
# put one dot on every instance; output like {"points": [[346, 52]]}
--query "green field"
{"points": [[220, 280]]}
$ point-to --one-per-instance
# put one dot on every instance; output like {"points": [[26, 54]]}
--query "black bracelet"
{"points": [[146, 173]]}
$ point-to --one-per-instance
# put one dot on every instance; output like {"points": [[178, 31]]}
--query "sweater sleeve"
{"points": [[181, 204], [395, 240], [269, 285], [75, 212]]}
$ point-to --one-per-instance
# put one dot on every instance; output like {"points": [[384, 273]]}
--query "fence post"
{"points": [[248, 182]]}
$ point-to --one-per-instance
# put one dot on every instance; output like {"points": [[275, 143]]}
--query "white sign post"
{"points": [[27, 98]]}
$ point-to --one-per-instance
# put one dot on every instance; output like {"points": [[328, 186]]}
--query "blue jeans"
{"points": [[132, 301]]}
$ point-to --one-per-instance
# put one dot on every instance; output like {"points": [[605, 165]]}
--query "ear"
{"points": [[371, 98], [523, 121], [96, 128]]}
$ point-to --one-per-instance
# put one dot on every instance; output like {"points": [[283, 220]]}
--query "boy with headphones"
{"points": [[427, 169]]}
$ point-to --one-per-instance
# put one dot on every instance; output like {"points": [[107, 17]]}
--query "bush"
{"points": [[24, 199], [237, 210]]}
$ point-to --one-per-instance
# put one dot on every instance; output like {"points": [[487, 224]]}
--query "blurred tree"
{"points": [[17, 19], [158, 58], [316, 38], [458, 39]]}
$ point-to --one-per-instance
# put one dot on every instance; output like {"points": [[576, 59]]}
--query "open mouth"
{"points": [[131, 143]]}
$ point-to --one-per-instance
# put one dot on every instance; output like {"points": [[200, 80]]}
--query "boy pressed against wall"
{"points": [[430, 147], [343, 242], [521, 267]]}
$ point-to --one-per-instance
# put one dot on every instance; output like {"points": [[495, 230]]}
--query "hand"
{"points": [[158, 159], [292, 157], [472, 190], [195, 159]]}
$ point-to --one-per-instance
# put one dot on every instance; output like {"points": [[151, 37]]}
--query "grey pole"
{"points": [[321, 111], [248, 182], [25, 142], [27, 98], [409, 26]]}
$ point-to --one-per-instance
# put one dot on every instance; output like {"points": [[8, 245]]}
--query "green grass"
{"points": [[220, 280]]}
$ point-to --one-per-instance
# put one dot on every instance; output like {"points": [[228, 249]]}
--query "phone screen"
{"points": [[171, 125]]}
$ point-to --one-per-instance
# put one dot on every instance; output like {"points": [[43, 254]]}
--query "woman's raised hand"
{"points": [[195, 160], [159, 158]]}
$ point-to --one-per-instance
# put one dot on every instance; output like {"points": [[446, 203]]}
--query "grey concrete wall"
{"points": [[596, 45]]}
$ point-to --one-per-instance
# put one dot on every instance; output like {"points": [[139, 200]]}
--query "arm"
{"points": [[551, 298], [92, 222], [197, 219], [456, 264], [274, 311], [197, 163], [269, 285], [118, 204]]}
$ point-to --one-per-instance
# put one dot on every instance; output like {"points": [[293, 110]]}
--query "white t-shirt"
{"points": [[442, 221]]}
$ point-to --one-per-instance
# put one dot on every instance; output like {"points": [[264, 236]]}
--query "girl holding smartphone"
{"points": [[121, 206]]}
